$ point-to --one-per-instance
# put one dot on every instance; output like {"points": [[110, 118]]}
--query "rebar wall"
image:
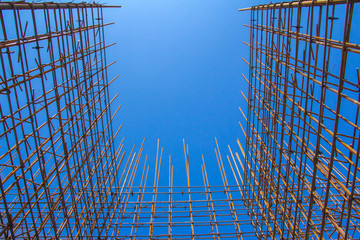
{"points": [[302, 147], [57, 148]]}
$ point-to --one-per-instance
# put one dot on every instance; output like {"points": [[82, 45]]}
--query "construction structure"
{"points": [[55, 120], [62, 176], [302, 133]]}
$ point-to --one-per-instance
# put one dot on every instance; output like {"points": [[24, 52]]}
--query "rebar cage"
{"points": [[61, 175], [302, 132], [57, 135]]}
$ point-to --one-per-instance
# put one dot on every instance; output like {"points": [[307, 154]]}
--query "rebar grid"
{"points": [[302, 132], [57, 135]]}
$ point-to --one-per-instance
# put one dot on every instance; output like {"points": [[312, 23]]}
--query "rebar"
{"points": [[62, 175], [57, 136], [302, 124]]}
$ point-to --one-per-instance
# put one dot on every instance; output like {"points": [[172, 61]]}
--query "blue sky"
{"points": [[179, 66]]}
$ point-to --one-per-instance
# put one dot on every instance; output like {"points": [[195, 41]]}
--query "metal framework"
{"points": [[61, 175], [56, 130], [302, 132]]}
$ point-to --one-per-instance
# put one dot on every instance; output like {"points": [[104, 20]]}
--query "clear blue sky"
{"points": [[180, 69]]}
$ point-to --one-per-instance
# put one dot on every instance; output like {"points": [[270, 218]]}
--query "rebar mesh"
{"points": [[302, 132], [57, 136]]}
